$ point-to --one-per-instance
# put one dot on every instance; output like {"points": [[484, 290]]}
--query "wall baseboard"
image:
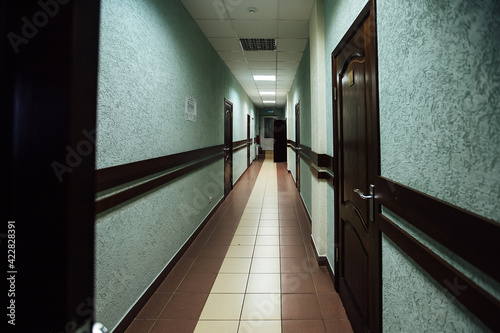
{"points": [[322, 260], [134, 311]]}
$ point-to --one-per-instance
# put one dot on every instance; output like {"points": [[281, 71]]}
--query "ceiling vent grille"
{"points": [[258, 44]]}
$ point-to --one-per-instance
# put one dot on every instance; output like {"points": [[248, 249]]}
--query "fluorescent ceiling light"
{"points": [[270, 93], [264, 77], [268, 101]]}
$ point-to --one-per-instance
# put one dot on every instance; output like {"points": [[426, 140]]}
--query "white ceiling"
{"points": [[225, 21]]}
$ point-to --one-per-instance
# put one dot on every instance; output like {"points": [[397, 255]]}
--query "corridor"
{"points": [[251, 269]]}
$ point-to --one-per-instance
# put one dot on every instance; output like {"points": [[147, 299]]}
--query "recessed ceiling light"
{"points": [[268, 101], [264, 77], [252, 10], [268, 93]]}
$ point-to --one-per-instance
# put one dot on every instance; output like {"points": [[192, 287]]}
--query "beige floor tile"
{"points": [[230, 284], [261, 326], [264, 283], [268, 231], [251, 210], [243, 240], [235, 265], [205, 326], [249, 223], [271, 251], [240, 251], [261, 307], [267, 240], [222, 307], [265, 266], [269, 223], [249, 216], [246, 231]]}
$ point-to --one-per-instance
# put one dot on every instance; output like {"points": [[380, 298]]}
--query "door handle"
{"points": [[363, 196], [298, 148], [369, 197], [226, 149]]}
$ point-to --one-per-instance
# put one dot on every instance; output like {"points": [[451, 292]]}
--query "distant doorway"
{"points": [[279, 140]]}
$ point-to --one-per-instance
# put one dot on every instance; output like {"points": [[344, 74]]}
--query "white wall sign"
{"points": [[190, 112]]}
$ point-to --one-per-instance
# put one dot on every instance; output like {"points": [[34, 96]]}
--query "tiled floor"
{"points": [[251, 270]]}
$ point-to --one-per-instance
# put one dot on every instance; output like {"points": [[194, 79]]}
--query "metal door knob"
{"points": [[362, 195]]}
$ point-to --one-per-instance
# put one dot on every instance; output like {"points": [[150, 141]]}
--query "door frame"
{"points": [[49, 98], [228, 147], [373, 158], [249, 141]]}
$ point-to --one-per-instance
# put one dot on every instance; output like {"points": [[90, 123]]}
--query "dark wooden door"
{"points": [[228, 147], [249, 142], [356, 147], [48, 101], [279, 141], [297, 146]]}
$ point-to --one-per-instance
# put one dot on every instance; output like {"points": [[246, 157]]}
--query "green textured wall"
{"points": [[153, 56], [301, 91], [439, 88], [439, 82]]}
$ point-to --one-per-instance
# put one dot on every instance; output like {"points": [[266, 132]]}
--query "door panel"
{"points": [[297, 147], [356, 149], [279, 141], [228, 147]]}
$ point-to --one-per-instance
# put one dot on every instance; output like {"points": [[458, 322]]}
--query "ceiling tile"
{"points": [[237, 65], [293, 29], [232, 56], [288, 65], [262, 65], [205, 9], [289, 56], [260, 56], [216, 28], [226, 44], [265, 9], [295, 9], [255, 28], [289, 44]]}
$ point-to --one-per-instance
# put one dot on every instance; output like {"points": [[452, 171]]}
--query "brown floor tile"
{"points": [[171, 282], [300, 306], [220, 240], [302, 326], [323, 281], [225, 230], [288, 222], [206, 265], [335, 326], [288, 215], [293, 251], [154, 306], [213, 251], [184, 306], [291, 240], [290, 231], [331, 306], [295, 265], [297, 283], [140, 326], [183, 265], [196, 282], [177, 326]]}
